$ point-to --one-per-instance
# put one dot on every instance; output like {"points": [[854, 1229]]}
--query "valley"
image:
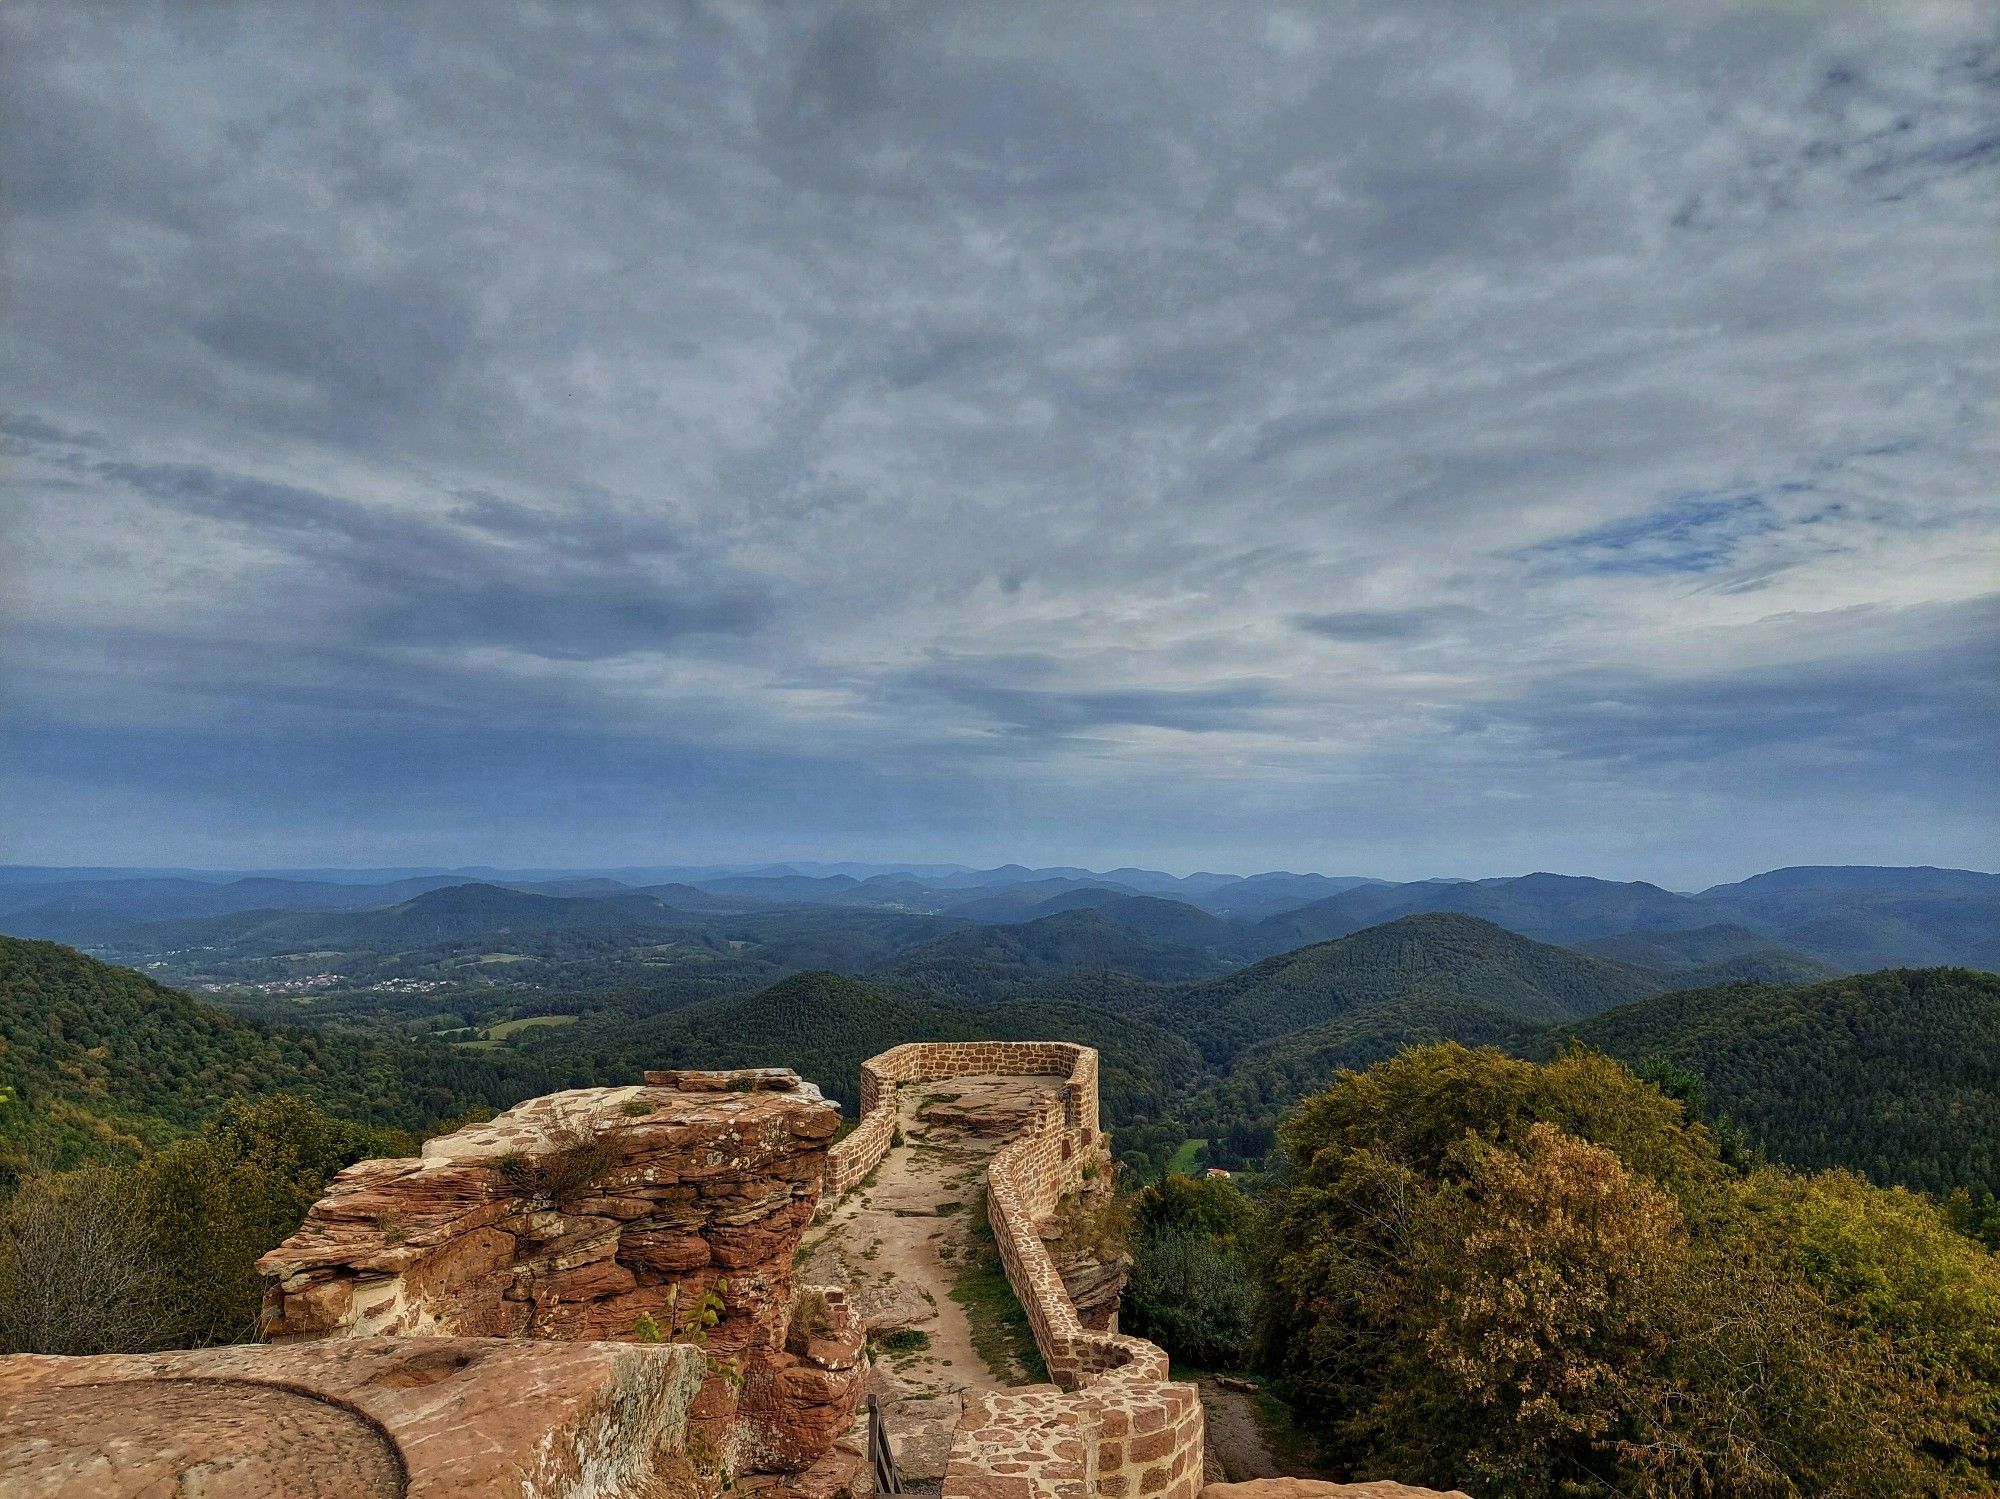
{"points": [[189, 1085], [1215, 1001]]}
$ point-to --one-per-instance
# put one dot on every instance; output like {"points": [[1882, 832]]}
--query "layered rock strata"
{"points": [[669, 1210]]}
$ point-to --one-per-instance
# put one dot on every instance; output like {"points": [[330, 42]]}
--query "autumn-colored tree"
{"points": [[1542, 1280]]}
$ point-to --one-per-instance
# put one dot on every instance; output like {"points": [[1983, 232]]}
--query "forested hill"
{"points": [[826, 1026], [1895, 1073], [1444, 959], [95, 1058], [992, 962], [451, 914]]}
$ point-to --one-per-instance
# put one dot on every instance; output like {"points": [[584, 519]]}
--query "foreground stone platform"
{"points": [[365, 1418]]}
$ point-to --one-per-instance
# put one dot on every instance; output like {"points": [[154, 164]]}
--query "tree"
{"points": [[1542, 1280], [1192, 1288], [162, 1254], [78, 1270], [217, 1200]]}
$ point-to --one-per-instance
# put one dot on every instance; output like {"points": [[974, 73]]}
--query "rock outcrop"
{"points": [[366, 1418], [667, 1211]]}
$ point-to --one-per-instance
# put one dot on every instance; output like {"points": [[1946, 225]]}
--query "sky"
{"points": [[1390, 439]]}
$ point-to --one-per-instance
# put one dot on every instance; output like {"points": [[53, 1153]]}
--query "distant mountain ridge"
{"points": [[1848, 918], [449, 914]]}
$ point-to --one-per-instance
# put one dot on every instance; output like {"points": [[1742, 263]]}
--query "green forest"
{"points": [[1418, 1112]]}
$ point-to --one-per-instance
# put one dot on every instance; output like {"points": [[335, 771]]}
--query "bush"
{"points": [[78, 1269], [578, 1160], [812, 1317], [1541, 1281], [1192, 1290], [1193, 1295], [186, 1226]]}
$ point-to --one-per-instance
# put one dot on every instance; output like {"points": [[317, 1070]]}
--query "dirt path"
{"points": [[1235, 1437], [897, 1242]]}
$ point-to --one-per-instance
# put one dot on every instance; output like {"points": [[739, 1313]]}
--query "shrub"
{"points": [[1192, 1294], [1192, 1289], [578, 1160], [812, 1318], [1542, 1281], [78, 1270]]}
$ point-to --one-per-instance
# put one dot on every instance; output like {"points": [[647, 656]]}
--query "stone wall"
{"points": [[671, 1209], [1115, 1425]]}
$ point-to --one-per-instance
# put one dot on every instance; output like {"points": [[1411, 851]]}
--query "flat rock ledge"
{"points": [[363, 1418]]}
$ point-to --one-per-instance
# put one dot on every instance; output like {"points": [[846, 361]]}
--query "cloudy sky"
{"points": [[1384, 438]]}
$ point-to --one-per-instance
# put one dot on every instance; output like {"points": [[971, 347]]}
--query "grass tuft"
{"points": [[1001, 1333]]}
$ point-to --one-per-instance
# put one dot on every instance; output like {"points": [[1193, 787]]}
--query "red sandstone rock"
{"points": [[583, 1215], [368, 1418]]}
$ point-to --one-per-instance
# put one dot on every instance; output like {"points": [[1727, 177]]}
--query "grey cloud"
{"points": [[366, 348], [1366, 625], [1928, 679], [600, 589], [975, 391]]}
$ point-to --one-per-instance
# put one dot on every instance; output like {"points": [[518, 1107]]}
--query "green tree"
{"points": [[162, 1253], [1542, 1280], [1192, 1289]]}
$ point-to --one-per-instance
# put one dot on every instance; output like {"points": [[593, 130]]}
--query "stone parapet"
{"points": [[1115, 1424]]}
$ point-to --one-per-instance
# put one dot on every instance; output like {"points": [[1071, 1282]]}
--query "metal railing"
{"points": [[887, 1480]]}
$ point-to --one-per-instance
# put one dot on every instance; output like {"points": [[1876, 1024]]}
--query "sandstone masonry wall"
{"points": [[1116, 1425]]}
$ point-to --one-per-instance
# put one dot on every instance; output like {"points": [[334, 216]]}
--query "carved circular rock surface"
{"points": [[192, 1439]]}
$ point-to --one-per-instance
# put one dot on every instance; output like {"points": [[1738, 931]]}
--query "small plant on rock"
{"points": [[579, 1160], [904, 1341], [812, 1317]]}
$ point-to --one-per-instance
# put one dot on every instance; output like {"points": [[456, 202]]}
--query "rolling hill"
{"points": [[95, 1058], [1547, 907], [453, 914], [1707, 955], [1440, 958], [1863, 917], [987, 963], [1896, 1074], [1171, 921], [826, 1026], [1848, 918], [87, 910]]}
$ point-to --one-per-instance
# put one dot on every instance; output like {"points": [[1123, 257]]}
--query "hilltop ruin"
{"points": [[596, 1294]]}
